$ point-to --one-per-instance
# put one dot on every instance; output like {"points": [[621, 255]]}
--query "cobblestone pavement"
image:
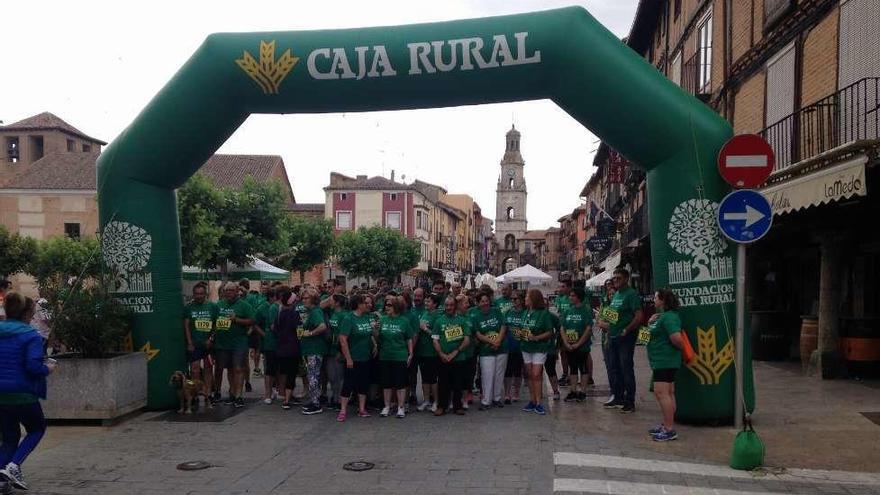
{"points": [[576, 448]]}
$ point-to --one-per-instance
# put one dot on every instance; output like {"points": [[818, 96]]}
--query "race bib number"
{"points": [[644, 336], [203, 325], [224, 323], [492, 336], [453, 333], [572, 336], [300, 332], [609, 315], [519, 334]]}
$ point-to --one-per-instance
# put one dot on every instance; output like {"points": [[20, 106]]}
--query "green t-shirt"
{"points": [[358, 329], [232, 336], [537, 323], [335, 324], [563, 303], [255, 299], [315, 345], [489, 326], [449, 331], [661, 353], [622, 309], [201, 321], [265, 319], [503, 304], [425, 344], [394, 333], [574, 324]]}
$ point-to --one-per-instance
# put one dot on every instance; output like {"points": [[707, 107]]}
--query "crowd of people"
{"points": [[372, 346]]}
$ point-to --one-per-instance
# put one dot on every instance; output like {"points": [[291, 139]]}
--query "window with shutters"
{"points": [[675, 69], [343, 220], [392, 220], [780, 102], [704, 49]]}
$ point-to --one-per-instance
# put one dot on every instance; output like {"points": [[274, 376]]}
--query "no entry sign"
{"points": [[746, 161]]}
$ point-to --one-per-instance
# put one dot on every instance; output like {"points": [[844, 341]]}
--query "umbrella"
{"points": [[525, 273]]}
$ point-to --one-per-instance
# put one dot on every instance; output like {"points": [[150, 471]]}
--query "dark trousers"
{"points": [[623, 383], [11, 419], [451, 379]]}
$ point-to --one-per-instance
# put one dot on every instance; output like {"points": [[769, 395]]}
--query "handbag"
{"points": [[687, 350], [748, 449]]}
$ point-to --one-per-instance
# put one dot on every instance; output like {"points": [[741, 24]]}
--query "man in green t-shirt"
{"points": [[267, 314], [562, 303], [451, 335], [426, 356], [198, 327], [576, 335], [234, 318], [621, 319], [504, 303]]}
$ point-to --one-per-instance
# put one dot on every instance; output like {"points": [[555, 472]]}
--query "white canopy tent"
{"points": [[525, 273]]}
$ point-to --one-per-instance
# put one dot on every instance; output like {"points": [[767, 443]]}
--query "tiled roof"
{"points": [[307, 207], [58, 171], [534, 235], [45, 121], [340, 181], [231, 170]]}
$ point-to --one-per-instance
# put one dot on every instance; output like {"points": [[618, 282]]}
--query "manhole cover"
{"points": [[193, 466], [358, 466]]}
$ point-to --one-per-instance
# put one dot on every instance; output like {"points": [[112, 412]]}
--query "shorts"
{"points": [[550, 364], [534, 357], [254, 341], [514, 365], [577, 363], [198, 354], [227, 358], [428, 368], [356, 380], [666, 375], [288, 365], [271, 363], [393, 374]]}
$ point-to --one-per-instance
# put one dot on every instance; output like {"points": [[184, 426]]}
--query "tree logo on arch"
{"points": [[127, 249], [693, 232]]}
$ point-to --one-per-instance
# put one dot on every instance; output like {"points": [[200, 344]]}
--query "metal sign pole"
{"points": [[740, 331]]}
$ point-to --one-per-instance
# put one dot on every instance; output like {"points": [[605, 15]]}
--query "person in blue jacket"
{"points": [[23, 374]]}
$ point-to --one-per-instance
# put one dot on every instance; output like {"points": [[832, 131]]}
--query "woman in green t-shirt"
{"points": [[664, 355], [537, 342], [313, 346], [451, 334], [334, 360], [357, 346], [395, 335]]}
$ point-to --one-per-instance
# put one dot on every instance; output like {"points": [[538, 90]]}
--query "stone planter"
{"points": [[102, 389]]}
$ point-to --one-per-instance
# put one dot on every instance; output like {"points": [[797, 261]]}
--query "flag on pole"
{"points": [[594, 210]]}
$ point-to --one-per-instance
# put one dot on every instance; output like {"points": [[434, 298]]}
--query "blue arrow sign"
{"points": [[744, 216]]}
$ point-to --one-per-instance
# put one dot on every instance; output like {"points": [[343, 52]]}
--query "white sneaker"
{"points": [[424, 405], [385, 411], [268, 402], [12, 473], [274, 393], [433, 407], [401, 412], [464, 405]]}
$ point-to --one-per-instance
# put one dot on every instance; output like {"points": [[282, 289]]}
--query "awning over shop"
{"points": [[838, 182], [598, 280], [256, 269]]}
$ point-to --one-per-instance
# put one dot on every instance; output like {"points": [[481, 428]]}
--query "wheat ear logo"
{"points": [[267, 73], [711, 363]]}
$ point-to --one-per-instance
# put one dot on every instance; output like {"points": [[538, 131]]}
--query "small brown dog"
{"points": [[187, 391]]}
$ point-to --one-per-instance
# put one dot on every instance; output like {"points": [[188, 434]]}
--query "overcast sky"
{"points": [[96, 64]]}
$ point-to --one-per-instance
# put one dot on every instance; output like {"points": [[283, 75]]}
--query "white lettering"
{"points": [[419, 52], [521, 57], [362, 60], [438, 56], [503, 49], [313, 68], [340, 63], [381, 60]]}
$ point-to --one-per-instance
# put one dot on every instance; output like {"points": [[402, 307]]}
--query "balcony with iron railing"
{"points": [[636, 229], [845, 118], [691, 71]]}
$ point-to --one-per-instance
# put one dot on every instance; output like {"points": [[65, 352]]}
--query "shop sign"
{"points": [[825, 186]]}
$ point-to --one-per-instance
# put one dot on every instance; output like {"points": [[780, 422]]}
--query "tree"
{"points": [[221, 226], [59, 258], [303, 243], [376, 252], [198, 204], [16, 252]]}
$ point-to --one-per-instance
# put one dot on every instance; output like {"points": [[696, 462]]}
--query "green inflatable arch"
{"points": [[564, 55]]}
